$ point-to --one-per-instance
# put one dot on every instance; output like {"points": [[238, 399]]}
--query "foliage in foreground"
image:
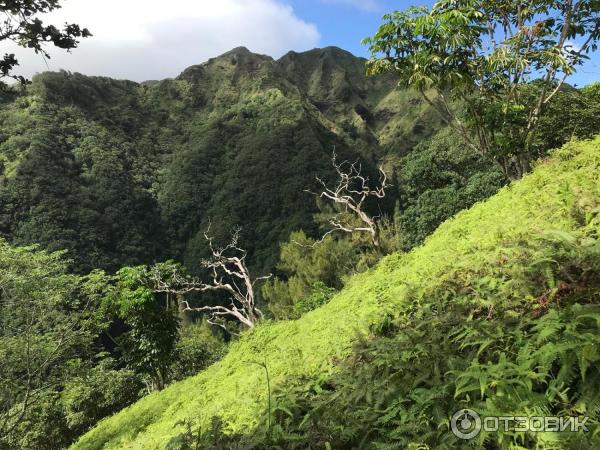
{"points": [[53, 383], [22, 25], [519, 338], [56, 380], [496, 311], [503, 61]]}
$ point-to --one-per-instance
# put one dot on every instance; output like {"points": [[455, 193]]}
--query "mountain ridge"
{"points": [[222, 119]]}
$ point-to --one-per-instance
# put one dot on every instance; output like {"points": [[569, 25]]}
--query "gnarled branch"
{"points": [[229, 273], [351, 193]]}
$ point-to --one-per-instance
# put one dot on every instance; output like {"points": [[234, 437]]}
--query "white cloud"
{"points": [[153, 39], [365, 5]]}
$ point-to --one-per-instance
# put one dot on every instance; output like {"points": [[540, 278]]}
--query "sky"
{"points": [[154, 39]]}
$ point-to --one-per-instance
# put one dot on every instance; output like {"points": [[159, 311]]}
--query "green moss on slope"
{"points": [[235, 388]]}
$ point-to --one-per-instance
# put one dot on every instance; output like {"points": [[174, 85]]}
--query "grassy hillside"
{"points": [[562, 194]]}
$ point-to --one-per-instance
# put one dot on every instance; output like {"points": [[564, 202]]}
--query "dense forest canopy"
{"points": [[143, 168], [117, 173]]}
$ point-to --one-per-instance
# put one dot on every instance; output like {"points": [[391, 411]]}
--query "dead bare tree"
{"points": [[229, 274], [351, 193]]}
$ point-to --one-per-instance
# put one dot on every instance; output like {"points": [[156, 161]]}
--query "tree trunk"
{"points": [[184, 315]]}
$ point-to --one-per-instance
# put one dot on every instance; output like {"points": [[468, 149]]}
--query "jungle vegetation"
{"points": [[319, 251]]}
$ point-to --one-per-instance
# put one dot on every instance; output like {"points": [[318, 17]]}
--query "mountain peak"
{"points": [[320, 53], [244, 57], [241, 53], [237, 59], [241, 50]]}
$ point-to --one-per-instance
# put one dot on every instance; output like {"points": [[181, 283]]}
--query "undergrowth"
{"points": [[499, 311]]}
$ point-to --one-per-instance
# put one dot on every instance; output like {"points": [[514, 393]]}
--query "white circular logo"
{"points": [[466, 424]]}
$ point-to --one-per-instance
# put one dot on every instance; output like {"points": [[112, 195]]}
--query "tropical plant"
{"points": [[502, 62], [153, 329], [48, 317]]}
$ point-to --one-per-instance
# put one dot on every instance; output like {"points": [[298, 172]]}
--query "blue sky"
{"points": [[344, 23], [151, 39]]}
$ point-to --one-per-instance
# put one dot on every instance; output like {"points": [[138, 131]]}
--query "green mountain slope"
{"points": [[363, 107], [235, 140], [562, 194]]}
